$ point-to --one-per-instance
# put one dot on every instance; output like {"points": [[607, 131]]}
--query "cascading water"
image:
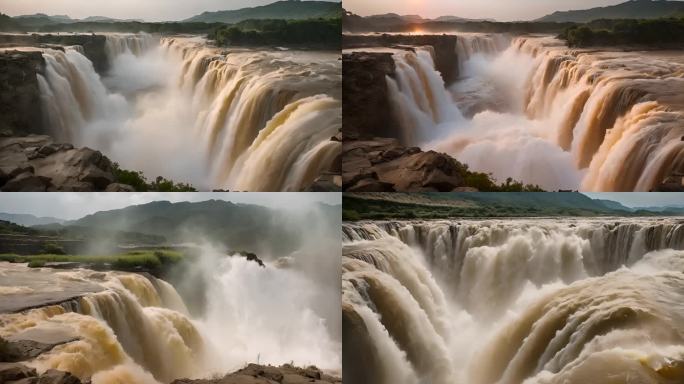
{"points": [[243, 120], [135, 329], [535, 301], [548, 115]]}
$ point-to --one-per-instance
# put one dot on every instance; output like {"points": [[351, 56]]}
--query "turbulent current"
{"points": [[534, 110], [238, 119], [542, 301], [134, 329]]}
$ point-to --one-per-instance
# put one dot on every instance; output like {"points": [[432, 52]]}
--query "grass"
{"points": [[153, 258]]}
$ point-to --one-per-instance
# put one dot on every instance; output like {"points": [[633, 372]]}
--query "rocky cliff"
{"points": [[93, 45], [20, 104], [444, 47], [365, 101]]}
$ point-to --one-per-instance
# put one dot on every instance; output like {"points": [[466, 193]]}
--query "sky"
{"points": [[502, 10], [149, 10], [641, 199], [74, 205]]}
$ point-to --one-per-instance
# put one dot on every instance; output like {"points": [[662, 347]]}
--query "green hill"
{"points": [[286, 10], [378, 206], [237, 226], [634, 9]]}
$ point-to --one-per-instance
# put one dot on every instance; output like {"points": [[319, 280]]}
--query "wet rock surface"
{"points": [[36, 163], [15, 373], [384, 165], [20, 104], [261, 374]]}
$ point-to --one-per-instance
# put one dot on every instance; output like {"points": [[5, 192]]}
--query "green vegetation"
{"points": [[9, 228], [317, 33], [485, 183], [54, 249], [478, 205], [655, 33], [139, 182], [152, 259]]}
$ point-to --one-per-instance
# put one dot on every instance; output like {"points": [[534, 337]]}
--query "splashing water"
{"points": [[547, 115], [245, 120], [515, 301]]}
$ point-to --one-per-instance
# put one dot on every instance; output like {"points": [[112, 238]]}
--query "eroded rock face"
{"points": [[261, 374], [444, 47], [20, 103], [93, 45], [365, 100], [37, 164], [383, 165]]}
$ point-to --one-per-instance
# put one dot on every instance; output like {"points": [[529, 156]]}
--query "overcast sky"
{"points": [[74, 205], [641, 199], [149, 10], [503, 10]]}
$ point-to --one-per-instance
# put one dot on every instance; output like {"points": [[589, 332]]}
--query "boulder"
{"points": [[37, 163], [15, 371], [383, 165]]}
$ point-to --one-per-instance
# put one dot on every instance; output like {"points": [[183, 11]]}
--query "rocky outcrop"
{"points": [[15, 373], [23, 350], [672, 183], [366, 105], [383, 165], [444, 47], [38, 164], [20, 104], [93, 45], [261, 374]]}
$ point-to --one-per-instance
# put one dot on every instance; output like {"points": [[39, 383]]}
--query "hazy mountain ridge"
{"points": [[484, 204], [284, 10], [633, 9], [27, 220]]}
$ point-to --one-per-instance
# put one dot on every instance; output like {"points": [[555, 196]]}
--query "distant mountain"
{"points": [[483, 204], [407, 18], [41, 20], [614, 205], [236, 226], [287, 10], [634, 9], [55, 18], [29, 220], [104, 19]]}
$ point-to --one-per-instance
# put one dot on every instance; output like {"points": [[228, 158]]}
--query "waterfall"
{"points": [[132, 44], [136, 329], [243, 120], [126, 331], [534, 301], [602, 121]]}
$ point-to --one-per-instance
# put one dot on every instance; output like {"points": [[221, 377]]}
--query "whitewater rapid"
{"points": [[239, 119], [135, 329], [534, 110], [547, 301]]}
